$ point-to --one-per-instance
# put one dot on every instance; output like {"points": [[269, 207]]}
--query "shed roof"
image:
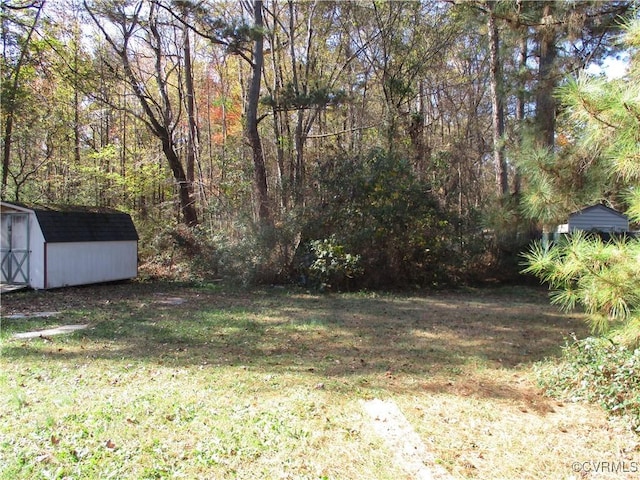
{"points": [[599, 206], [83, 224]]}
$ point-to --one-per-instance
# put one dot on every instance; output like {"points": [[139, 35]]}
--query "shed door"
{"points": [[14, 248]]}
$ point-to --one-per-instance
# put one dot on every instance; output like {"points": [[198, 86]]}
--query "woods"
{"points": [[410, 134], [401, 155]]}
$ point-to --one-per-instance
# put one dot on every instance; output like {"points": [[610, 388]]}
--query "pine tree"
{"points": [[602, 277]]}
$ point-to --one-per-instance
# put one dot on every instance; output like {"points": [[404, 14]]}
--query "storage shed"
{"points": [[596, 218], [50, 247]]}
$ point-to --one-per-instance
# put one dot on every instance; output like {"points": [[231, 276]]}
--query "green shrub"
{"points": [[597, 370], [177, 252], [377, 206], [329, 265], [261, 254]]}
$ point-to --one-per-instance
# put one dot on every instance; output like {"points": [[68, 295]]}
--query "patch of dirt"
{"points": [[518, 391], [168, 300], [86, 297]]}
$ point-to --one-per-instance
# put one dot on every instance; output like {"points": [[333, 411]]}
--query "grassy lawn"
{"points": [[174, 381]]}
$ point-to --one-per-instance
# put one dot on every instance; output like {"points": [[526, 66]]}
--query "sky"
{"points": [[612, 67]]}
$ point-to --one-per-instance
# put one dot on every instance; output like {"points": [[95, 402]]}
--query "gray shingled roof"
{"points": [[598, 206], [84, 224]]}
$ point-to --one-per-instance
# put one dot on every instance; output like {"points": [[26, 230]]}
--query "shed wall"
{"points": [[36, 245], [14, 246], [79, 263], [36, 254], [598, 219]]}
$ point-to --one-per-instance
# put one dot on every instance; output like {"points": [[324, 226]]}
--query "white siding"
{"points": [[53, 265], [79, 263], [36, 245], [36, 254], [598, 218]]}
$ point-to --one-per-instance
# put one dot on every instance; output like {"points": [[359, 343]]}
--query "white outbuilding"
{"points": [[51, 247]]}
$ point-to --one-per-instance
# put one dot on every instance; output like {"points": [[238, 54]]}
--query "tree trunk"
{"points": [[253, 136], [299, 165], [279, 118], [521, 102], [187, 205], [545, 101], [497, 108], [193, 138]]}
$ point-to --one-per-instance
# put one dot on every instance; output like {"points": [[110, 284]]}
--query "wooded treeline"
{"points": [[404, 142]]}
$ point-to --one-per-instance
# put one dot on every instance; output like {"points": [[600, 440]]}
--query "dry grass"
{"points": [[269, 383]]}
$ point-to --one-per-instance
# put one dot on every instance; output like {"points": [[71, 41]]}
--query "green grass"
{"points": [[268, 384]]}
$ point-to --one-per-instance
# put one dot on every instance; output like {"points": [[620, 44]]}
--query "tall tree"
{"points": [[251, 112], [497, 102], [193, 137], [11, 86], [567, 36], [602, 277], [547, 33], [159, 111]]}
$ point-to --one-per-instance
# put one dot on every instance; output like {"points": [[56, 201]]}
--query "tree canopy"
{"points": [[425, 137]]}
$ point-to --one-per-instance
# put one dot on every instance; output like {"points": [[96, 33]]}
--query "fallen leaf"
{"points": [[44, 458]]}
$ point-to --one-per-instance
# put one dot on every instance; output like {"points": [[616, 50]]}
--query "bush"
{"points": [[327, 265], [378, 208], [177, 252], [261, 254], [597, 370], [240, 251]]}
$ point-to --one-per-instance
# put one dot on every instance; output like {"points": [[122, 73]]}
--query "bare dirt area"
{"points": [[74, 298]]}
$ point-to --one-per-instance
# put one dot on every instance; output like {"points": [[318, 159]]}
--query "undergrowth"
{"points": [[597, 370]]}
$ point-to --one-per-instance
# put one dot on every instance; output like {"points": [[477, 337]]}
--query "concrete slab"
{"points": [[8, 288], [410, 453], [62, 329], [33, 315]]}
